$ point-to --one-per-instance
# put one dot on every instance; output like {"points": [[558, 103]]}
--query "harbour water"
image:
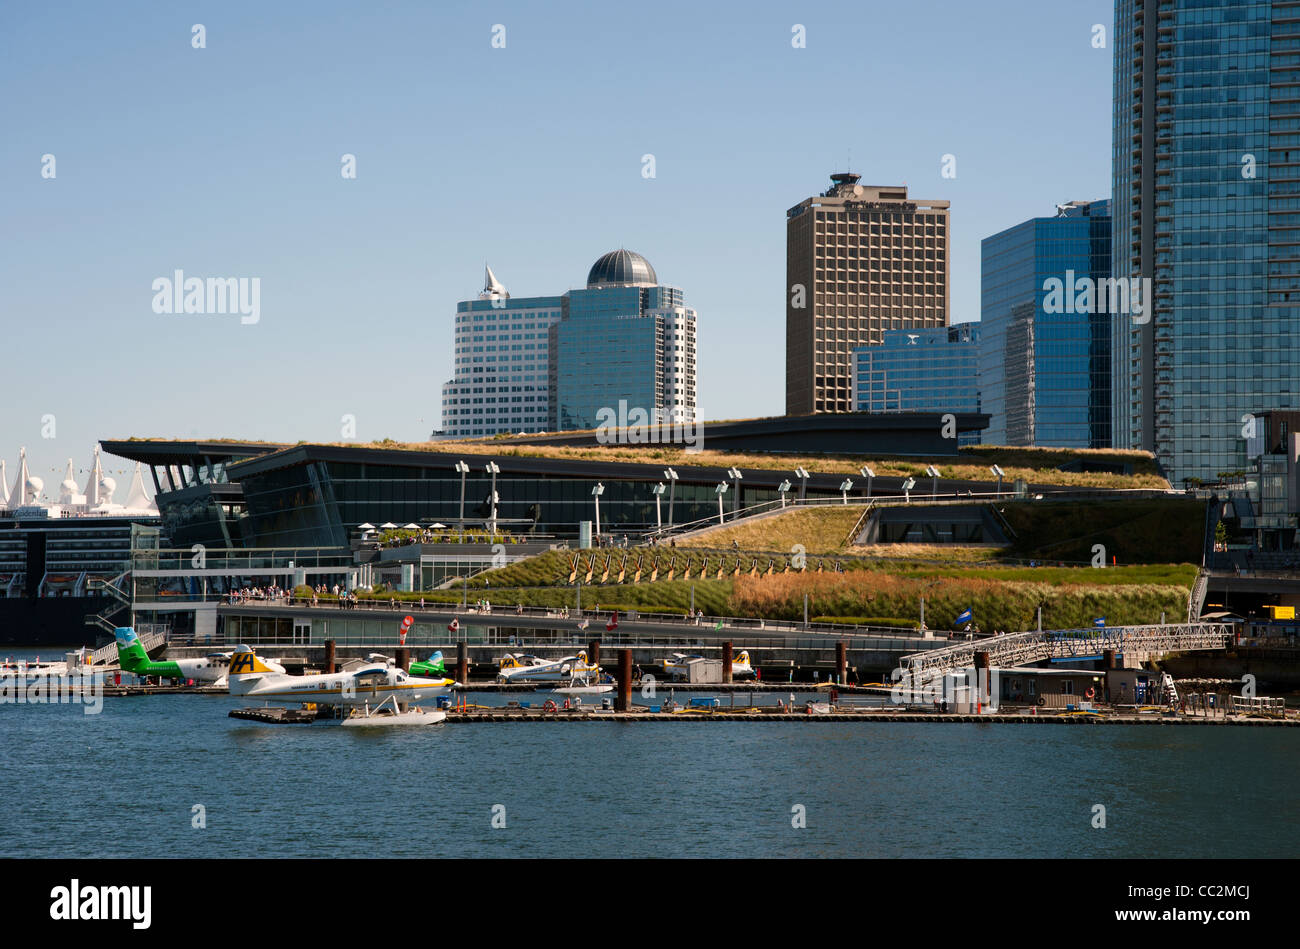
{"points": [[126, 782]]}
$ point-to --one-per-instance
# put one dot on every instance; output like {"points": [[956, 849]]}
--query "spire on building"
{"points": [[493, 289]]}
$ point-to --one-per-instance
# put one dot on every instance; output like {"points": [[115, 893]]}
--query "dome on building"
{"points": [[622, 268]]}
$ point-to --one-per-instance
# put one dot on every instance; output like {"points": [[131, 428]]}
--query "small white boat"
{"points": [[387, 713], [581, 690]]}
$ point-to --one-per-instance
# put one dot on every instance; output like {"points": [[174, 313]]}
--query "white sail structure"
{"points": [[136, 499], [27, 487], [4, 485], [93, 498], [68, 495]]}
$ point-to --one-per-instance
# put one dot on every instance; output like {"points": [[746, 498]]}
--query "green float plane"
{"points": [[132, 658], [432, 668]]}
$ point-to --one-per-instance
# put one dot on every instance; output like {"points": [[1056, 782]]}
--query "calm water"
{"points": [[123, 783]]}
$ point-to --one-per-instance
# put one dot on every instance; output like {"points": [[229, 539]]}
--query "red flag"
{"points": [[453, 626], [613, 622]]}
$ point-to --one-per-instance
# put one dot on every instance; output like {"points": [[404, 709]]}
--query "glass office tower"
{"points": [[1206, 184], [1045, 358], [921, 370], [623, 339]]}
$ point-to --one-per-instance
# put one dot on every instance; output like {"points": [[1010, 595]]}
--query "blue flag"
{"points": [[963, 617], [1099, 621]]}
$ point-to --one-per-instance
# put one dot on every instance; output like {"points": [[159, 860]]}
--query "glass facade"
{"points": [[1044, 346], [922, 370], [1207, 165], [632, 344], [319, 503]]}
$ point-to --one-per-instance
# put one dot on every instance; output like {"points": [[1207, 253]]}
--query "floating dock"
{"points": [[275, 715], [879, 717]]}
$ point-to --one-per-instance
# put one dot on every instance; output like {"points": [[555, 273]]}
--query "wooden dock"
{"points": [[760, 714]]}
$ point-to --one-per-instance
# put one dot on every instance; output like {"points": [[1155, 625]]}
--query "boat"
{"points": [[389, 713]]}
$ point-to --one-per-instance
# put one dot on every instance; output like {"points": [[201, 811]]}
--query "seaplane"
{"points": [[209, 669], [678, 664], [372, 691], [519, 667]]}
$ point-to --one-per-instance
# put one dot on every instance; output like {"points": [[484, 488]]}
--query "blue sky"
{"points": [[225, 161]]}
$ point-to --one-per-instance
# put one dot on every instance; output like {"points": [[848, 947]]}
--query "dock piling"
{"points": [[462, 662], [983, 681], [593, 652], [329, 656], [841, 662], [726, 662], [623, 703]]}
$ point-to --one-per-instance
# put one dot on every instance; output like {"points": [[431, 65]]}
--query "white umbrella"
{"points": [[436, 526], [411, 527], [366, 527], [387, 526]]}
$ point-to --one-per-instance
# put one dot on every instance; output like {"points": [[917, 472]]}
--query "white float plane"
{"points": [[518, 667], [376, 689]]}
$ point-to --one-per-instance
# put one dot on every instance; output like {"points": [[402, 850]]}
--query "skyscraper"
{"points": [[623, 338], [860, 260], [533, 364], [924, 370], [1206, 187], [501, 364], [1045, 352]]}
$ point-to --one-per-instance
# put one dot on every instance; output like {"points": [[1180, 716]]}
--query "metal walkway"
{"points": [[1018, 649]]}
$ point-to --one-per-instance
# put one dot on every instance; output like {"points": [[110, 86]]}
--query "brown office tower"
{"points": [[860, 259]]}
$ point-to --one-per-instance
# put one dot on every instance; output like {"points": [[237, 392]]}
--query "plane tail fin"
{"points": [[130, 654], [246, 670]]}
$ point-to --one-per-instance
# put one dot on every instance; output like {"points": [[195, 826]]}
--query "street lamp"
{"points": [[999, 474], [783, 487], [845, 485], [658, 491], [492, 469], [908, 485], [721, 489], [596, 492], [735, 475], [802, 475], [870, 475], [933, 474], [463, 468], [671, 477]]}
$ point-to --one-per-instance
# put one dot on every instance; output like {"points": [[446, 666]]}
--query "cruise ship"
{"points": [[51, 550]]}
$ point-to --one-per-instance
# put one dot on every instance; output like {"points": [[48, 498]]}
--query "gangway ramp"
{"points": [[1018, 649]]}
